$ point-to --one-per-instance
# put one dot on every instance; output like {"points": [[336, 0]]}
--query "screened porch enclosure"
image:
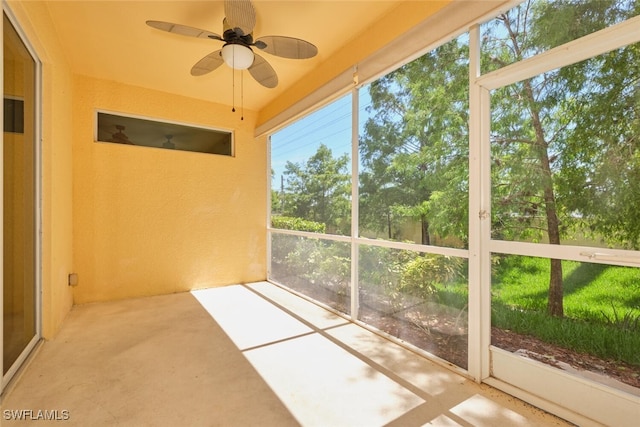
{"points": [[477, 203]]}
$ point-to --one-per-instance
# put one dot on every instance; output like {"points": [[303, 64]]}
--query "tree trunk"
{"points": [[555, 296], [555, 302], [425, 231]]}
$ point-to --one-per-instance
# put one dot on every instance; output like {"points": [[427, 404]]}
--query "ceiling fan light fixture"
{"points": [[237, 56]]}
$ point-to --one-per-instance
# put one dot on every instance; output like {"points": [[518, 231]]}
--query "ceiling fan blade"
{"points": [[263, 72], [287, 47], [240, 15], [208, 63], [183, 30]]}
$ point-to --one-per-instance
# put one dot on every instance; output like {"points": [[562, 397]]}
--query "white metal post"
{"points": [[268, 216], [475, 312], [355, 134]]}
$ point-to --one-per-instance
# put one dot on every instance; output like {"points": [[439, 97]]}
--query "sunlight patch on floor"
{"points": [[320, 383], [328, 371], [312, 314], [417, 371], [248, 319], [443, 421], [480, 411]]}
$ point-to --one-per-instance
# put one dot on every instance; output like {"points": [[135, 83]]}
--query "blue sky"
{"points": [[330, 125]]}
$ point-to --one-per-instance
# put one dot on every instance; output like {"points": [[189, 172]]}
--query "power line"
{"points": [[279, 145]]}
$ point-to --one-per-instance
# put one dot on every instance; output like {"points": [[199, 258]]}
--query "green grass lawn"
{"points": [[601, 304]]}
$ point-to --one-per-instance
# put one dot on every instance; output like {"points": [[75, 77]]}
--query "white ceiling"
{"points": [[110, 40]]}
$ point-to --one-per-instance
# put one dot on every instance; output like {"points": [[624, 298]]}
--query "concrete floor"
{"points": [[242, 355]]}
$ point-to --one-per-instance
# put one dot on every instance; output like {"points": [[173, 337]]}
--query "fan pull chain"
{"points": [[233, 85], [233, 89], [241, 95]]}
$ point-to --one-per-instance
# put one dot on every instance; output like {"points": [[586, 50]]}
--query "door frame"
{"points": [[6, 378], [570, 396]]}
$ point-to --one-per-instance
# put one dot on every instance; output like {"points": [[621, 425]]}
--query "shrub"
{"points": [[628, 321], [421, 275], [298, 224]]}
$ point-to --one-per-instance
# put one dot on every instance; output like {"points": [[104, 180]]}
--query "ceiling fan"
{"points": [[237, 51]]}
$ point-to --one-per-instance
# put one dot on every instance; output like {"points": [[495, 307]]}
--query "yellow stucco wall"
{"points": [[137, 221], [151, 221], [57, 213]]}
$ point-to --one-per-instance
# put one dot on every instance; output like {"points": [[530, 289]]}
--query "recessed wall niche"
{"points": [[127, 130], [13, 114]]}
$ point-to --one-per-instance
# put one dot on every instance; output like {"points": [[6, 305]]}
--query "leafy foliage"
{"points": [[565, 151], [414, 148], [423, 274], [319, 190], [299, 224], [564, 143], [403, 272]]}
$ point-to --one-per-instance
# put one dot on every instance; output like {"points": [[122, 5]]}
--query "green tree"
{"points": [[414, 146], [319, 190], [565, 156], [557, 144]]}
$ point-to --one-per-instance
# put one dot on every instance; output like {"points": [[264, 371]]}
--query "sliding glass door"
{"points": [[20, 317]]}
